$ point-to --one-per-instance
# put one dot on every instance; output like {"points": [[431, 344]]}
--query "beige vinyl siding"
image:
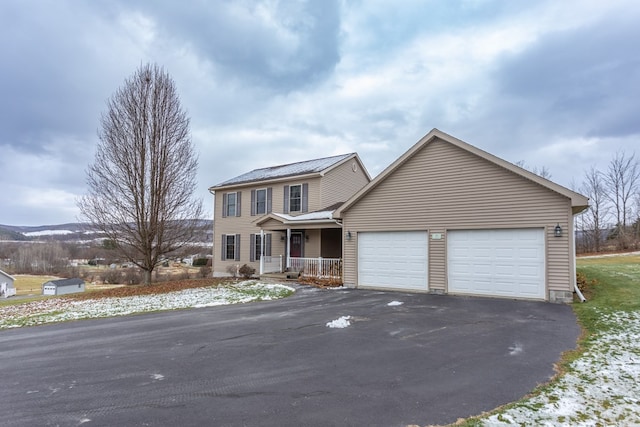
{"points": [[443, 187], [244, 224], [340, 183], [437, 259]]}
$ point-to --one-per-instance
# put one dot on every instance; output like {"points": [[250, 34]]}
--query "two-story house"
{"points": [[280, 217]]}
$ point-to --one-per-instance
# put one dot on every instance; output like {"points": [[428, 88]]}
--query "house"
{"points": [[447, 217], [7, 288], [63, 286], [280, 218]]}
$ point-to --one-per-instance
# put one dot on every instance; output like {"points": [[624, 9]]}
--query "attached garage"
{"points": [[491, 226], [505, 263], [393, 260]]}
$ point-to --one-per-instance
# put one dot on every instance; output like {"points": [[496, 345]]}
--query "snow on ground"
{"points": [[601, 388], [47, 233], [341, 322], [394, 303], [61, 309]]}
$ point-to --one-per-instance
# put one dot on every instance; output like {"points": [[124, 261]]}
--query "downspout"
{"points": [[575, 281]]}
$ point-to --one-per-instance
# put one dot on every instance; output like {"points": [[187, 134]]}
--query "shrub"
{"points": [[584, 284], [111, 276], [204, 271], [132, 276], [232, 270], [199, 262], [247, 271]]}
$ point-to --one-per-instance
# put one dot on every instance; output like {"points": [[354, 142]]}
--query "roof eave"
{"points": [[577, 200], [265, 181]]}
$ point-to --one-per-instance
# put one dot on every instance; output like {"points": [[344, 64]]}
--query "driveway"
{"points": [[430, 360]]}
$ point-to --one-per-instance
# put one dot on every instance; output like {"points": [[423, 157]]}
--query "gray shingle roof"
{"points": [[282, 171], [66, 282]]}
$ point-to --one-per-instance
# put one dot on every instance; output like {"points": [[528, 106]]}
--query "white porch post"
{"points": [[288, 244], [261, 251]]}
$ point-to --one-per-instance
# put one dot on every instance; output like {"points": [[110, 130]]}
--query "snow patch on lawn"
{"points": [[341, 322], [62, 309], [602, 387], [394, 303]]}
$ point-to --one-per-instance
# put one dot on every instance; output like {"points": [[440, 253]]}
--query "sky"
{"points": [[555, 84]]}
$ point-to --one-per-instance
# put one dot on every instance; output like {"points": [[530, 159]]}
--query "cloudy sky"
{"points": [[553, 83]]}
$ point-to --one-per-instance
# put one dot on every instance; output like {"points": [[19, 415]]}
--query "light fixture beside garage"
{"points": [[348, 235], [557, 231]]}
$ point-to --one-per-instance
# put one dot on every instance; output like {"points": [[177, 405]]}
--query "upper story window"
{"points": [[261, 201], [295, 198], [231, 204]]}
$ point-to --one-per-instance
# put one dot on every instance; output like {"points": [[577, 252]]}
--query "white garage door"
{"points": [[505, 263], [393, 259]]}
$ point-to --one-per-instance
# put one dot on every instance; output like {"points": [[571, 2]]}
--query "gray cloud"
{"points": [[268, 82]]}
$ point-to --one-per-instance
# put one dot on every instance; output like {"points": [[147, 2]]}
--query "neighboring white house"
{"points": [[63, 286], [7, 289]]}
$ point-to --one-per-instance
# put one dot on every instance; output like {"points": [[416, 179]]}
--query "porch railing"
{"points": [[317, 267], [271, 264]]}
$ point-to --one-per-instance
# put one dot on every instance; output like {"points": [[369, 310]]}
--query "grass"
{"points": [[139, 299], [29, 284], [612, 296]]}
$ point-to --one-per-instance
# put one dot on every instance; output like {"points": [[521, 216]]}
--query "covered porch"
{"points": [[309, 245]]}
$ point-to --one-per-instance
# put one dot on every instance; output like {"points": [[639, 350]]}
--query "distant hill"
{"points": [[75, 231], [8, 234]]}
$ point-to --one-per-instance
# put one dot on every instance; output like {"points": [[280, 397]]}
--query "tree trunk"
{"points": [[147, 277]]}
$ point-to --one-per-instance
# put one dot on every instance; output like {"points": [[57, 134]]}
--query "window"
{"points": [[256, 250], [295, 198], [231, 204], [257, 253], [231, 247], [261, 202], [230, 250]]}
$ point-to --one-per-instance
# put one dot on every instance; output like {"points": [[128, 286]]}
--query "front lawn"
{"points": [[599, 383], [138, 299]]}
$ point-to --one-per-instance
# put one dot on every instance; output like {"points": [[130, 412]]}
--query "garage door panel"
{"points": [[395, 260], [508, 263]]}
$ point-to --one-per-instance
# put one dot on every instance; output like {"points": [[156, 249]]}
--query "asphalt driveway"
{"points": [[430, 360]]}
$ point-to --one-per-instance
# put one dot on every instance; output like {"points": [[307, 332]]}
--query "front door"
{"points": [[296, 245]]}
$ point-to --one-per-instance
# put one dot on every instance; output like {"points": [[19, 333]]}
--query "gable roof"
{"points": [[578, 201], [66, 282], [7, 275], [308, 167]]}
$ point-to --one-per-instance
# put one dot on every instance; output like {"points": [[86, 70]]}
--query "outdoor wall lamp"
{"points": [[348, 235], [306, 237], [557, 231]]}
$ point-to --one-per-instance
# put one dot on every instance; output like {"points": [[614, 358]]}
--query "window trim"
{"points": [[257, 211], [224, 256], [299, 198]]}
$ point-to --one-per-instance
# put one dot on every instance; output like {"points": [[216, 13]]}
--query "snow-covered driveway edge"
{"points": [[63, 309], [601, 387]]}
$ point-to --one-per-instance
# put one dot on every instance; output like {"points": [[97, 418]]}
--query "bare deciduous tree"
{"points": [[143, 176], [542, 172], [622, 180], [594, 218]]}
